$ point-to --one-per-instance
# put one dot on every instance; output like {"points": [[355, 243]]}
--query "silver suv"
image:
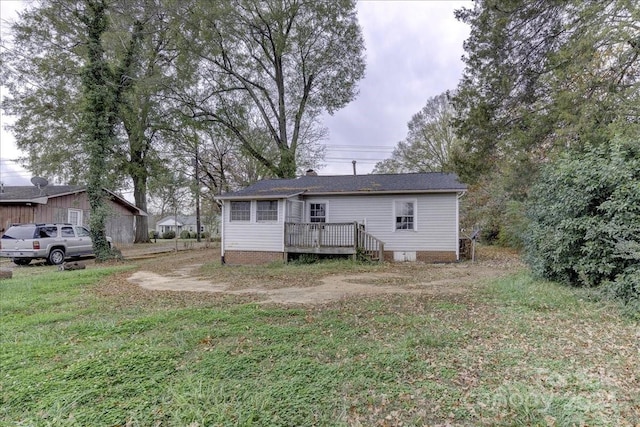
{"points": [[53, 242]]}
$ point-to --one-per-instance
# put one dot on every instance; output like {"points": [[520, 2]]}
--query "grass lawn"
{"points": [[86, 348]]}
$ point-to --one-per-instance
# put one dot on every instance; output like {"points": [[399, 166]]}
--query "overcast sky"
{"points": [[414, 51]]}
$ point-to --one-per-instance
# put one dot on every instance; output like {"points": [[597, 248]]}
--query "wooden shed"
{"points": [[65, 203]]}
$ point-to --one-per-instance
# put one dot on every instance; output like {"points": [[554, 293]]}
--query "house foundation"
{"points": [[252, 257]]}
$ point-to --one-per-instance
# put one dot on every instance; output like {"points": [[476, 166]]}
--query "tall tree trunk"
{"points": [[99, 101], [138, 170], [140, 197]]}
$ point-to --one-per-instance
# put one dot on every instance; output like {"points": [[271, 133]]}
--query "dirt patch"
{"points": [[177, 274]]}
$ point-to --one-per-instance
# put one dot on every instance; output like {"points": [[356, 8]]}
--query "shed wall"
{"points": [[119, 226]]}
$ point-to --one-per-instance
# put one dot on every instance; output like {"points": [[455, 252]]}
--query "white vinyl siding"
{"points": [[295, 210], [436, 219], [436, 222], [253, 235]]}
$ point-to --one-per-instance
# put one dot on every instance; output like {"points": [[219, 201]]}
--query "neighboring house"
{"points": [[184, 222], [176, 224], [65, 203], [401, 217]]}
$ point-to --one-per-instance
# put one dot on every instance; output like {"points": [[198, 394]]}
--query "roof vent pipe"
{"points": [[354, 166]]}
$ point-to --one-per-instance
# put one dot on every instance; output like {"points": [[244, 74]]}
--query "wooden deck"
{"points": [[347, 238]]}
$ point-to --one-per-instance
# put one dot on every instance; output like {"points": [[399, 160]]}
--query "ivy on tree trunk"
{"points": [[98, 102], [102, 92]]}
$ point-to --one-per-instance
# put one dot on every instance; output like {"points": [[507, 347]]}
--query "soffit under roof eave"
{"points": [[259, 197], [340, 193], [386, 193], [36, 200]]}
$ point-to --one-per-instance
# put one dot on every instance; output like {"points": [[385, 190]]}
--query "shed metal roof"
{"points": [[30, 194], [22, 193]]}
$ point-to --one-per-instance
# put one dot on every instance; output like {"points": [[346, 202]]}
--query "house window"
{"points": [[405, 215], [75, 216], [240, 211], [267, 210], [317, 212]]}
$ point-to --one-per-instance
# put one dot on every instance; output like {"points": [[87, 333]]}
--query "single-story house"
{"points": [[184, 222], [177, 224], [394, 217], [65, 203]]}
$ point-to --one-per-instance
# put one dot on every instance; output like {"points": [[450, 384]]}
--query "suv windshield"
{"points": [[19, 233]]}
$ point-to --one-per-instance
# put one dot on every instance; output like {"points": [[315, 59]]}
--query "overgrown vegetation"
{"points": [[88, 348], [544, 83], [585, 221]]}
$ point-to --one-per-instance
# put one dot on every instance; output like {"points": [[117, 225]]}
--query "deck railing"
{"points": [[370, 246], [319, 234], [344, 237]]}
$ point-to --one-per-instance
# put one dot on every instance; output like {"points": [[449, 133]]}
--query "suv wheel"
{"points": [[56, 256]]}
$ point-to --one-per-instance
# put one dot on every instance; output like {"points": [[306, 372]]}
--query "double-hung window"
{"points": [[267, 210], [317, 212], [404, 215], [240, 211]]}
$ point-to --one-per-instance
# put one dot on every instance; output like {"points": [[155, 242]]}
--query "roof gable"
{"points": [[181, 220], [408, 183]]}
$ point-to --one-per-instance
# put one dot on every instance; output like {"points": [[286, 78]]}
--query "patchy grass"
{"points": [[88, 348], [279, 274]]}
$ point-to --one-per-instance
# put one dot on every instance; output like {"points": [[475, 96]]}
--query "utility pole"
{"points": [[198, 227]]}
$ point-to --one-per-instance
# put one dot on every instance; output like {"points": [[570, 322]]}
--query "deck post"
{"points": [[356, 243]]}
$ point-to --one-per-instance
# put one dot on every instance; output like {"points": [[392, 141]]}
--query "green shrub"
{"points": [[184, 234], [205, 235], [626, 288], [584, 215], [513, 225], [152, 234], [169, 234], [304, 259]]}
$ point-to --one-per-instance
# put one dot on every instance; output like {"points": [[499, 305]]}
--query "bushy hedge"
{"points": [[584, 220], [169, 234], [184, 234]]}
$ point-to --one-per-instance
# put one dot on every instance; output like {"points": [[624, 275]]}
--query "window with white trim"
{"points": [[404, 215], [317, 212], [240, 211], [267, 210], [74, 216]]}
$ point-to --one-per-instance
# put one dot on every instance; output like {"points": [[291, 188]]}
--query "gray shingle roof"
{"points": [[182, 219], [29, 192], [350, 184]]}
